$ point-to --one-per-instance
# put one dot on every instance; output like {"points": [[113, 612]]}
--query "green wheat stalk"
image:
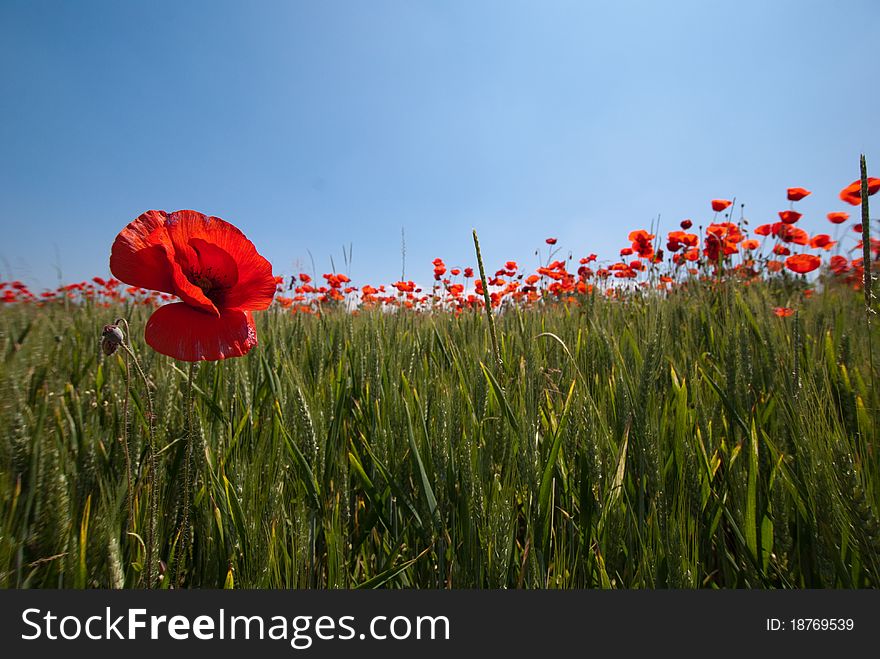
{"points": [[488, 300]]}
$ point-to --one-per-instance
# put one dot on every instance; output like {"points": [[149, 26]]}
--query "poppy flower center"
{"points": [[210, 284], [202, 282]]}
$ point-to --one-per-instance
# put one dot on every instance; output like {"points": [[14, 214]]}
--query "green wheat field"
{"points": [[689, 440]]}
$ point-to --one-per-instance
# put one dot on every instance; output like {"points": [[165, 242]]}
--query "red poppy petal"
{"points": [[140, 254], [179, 331], [210, 243], [190, 293]]}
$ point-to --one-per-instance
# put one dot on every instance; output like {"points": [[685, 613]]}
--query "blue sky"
{"points": [[313, 125]]}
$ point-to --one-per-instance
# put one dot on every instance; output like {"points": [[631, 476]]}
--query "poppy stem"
{"points": [[126, 433], [151, 470], [183, 548], [110, 348], [488, 300]]}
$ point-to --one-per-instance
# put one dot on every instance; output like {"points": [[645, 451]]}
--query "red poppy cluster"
{"points": [[204, 277]]}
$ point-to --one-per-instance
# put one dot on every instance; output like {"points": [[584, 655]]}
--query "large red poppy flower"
{"points": [[211, 266], [852, 194]]}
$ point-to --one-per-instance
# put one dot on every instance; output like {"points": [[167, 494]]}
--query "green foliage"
{"points": [[695, 440]]}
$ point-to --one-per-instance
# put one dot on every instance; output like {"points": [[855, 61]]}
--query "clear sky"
{"points": [[312, 125]]}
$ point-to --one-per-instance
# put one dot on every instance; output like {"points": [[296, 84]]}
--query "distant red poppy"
{"points": [[838, 218], [783, 312], [764, 229], [790, 234], [719, 205], [210, 265], [750, 243], [641, 243], [550, 241], [839, 265], [789, 217], [802, 263], [796, 194], [852, 194], [686, 224], [823, 241]]}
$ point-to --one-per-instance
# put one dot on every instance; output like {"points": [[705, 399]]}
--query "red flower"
{"points": [[686, 224], [721, 238], [839, 265], [802, 263], [719, 205], [211, 266], [796, 194], [822, 240], [468, 272], [550, 241], [838, 218], [790, 234], [789, 217], [852, 194], [783, 312]]}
